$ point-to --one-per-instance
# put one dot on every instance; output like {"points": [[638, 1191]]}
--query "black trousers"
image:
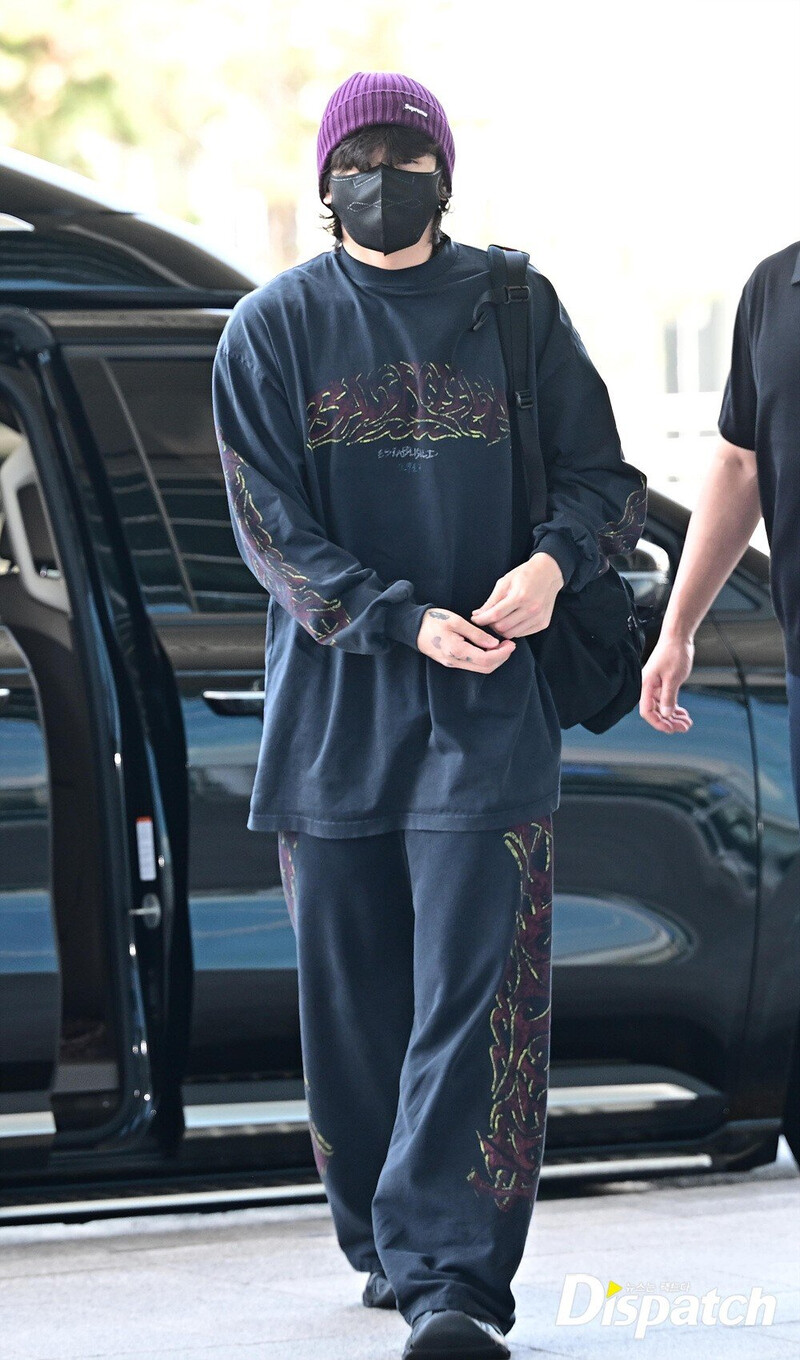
{"points": [[424, 967]]}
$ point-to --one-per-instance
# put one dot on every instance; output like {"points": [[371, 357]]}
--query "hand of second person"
{"points": [[522, 601], [668, 666]]}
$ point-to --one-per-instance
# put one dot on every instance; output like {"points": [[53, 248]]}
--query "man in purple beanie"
{"points": [[363, 426]]}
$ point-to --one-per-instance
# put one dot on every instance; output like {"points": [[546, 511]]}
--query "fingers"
{"points": [[668, 696], [648, 699], [521, 621], [473, 634], [497, 608], [678, 722], [460, 644], [498, 593], [662, 714], [457, 651], [518, 614]]}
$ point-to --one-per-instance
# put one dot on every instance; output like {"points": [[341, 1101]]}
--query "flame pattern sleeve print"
{"points": [[597, 501], [323, 586]]}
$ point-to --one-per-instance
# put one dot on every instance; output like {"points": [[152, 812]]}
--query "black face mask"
{"points": [[384, 208]]}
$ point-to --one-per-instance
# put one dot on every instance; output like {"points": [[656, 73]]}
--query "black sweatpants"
{"points": [[424, 967]]}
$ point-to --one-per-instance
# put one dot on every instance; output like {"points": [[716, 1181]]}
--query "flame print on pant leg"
{"points": [[287, 842], [520, 1024], [323, 1151]]}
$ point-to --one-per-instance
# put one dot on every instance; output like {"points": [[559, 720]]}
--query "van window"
{"points": [[154, 425]]}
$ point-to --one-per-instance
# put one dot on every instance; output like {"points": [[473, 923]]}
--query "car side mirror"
{"points": [[647, 568]]}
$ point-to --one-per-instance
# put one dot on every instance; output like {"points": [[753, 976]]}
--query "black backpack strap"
{"points": [[510, 294], [509, 271]]}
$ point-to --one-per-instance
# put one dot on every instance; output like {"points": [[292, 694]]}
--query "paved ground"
{"points": [[272, 1282]]}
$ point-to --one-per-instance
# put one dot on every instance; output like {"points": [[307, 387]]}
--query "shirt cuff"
{"points": [[559, 545], [404, 620]]}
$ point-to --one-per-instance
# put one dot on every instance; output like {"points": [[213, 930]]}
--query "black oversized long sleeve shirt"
{"points": [[364, 435]]}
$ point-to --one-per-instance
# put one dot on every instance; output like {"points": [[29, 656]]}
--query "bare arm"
{"points": [[721, 525]]}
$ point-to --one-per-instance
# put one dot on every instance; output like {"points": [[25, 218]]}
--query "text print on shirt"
{"points": [[406, 451]]}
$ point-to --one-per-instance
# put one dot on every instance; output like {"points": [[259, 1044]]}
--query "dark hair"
{"points": [[399, 144]]}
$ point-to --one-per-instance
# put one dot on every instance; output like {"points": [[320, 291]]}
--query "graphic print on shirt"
{"points": [[512, 1147], [320, 617], [322, 1149], [622, 535], [402, 401]]}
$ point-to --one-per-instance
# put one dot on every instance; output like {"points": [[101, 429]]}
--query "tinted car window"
{"points": [[153, 422], [28, 258]]}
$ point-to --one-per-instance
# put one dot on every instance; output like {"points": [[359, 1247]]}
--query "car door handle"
{"points": [[235, 702]]}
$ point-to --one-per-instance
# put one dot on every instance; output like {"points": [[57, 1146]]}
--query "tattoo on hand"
{"points": [[438, 614], [437, 642]]}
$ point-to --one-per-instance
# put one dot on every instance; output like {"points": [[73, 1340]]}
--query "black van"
{"points": [[149, 1040]]}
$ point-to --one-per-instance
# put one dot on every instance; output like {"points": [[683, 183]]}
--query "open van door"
{"points": [[30, 983], [114, 885]]}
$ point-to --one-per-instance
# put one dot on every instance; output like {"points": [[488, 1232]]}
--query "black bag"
{"points": [[591, 651]]}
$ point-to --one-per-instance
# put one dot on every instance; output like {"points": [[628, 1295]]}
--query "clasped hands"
{"points": [[522, 602]]}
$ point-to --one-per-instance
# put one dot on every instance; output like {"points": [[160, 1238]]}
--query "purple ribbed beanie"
{"points": [[369, 97]]}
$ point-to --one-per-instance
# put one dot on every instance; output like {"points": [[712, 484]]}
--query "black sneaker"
{"points": [[446, 1334], [378, 1293]]}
